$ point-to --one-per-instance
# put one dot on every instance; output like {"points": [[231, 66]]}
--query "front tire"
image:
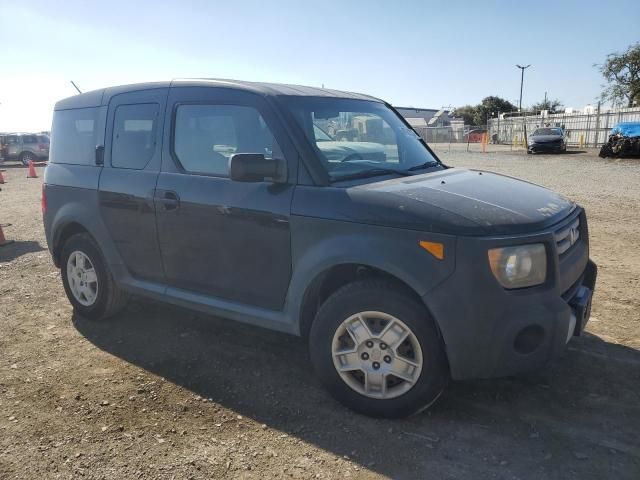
{"points": [[26, 157], [87, 281], [377, 350]]}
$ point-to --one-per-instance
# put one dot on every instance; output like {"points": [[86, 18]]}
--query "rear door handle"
{"points": [[168, 198]]}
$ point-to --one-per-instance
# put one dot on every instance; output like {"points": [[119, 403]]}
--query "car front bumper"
{"points": [[546, 147], [492, 332]]}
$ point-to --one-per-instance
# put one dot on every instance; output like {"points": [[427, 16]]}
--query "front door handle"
{"points": [[169, 199]]}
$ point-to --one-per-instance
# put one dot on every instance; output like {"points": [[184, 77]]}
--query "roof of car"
{"points": [[100, 97]]}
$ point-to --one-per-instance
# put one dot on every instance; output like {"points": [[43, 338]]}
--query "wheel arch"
{"points": [[333, 277], [62, 234], [76, 210]]}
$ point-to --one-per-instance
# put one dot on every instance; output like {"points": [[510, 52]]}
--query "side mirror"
{"points": [[253, 167]]}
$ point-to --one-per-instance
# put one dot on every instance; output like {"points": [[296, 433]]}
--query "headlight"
{"points": [[520, 266]]}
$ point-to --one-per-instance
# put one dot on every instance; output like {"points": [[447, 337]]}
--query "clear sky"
{"points": [[411, 53]]}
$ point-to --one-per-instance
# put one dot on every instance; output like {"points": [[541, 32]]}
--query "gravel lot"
{"points": [[160, 392]]}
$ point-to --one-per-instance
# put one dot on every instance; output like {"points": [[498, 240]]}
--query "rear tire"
{"points": [[87, 281], [366, 381]]}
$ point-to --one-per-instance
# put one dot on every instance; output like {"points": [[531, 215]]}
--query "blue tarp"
{"points": [[627, 129]]}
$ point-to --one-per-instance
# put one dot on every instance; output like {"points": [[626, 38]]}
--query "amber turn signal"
{"points": [[434, 248]]}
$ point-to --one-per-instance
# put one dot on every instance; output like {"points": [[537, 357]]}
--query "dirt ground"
{"points": [[161, 392]]}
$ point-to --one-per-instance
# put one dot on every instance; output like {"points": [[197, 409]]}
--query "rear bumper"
{"points": [[492, 332]]}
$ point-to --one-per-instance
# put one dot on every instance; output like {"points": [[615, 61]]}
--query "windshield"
{"points": [[321, 135], [548, 131], [356, 138]]}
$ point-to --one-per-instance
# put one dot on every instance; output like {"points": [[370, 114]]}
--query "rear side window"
{"points": [[74, 136], [29, 139], [206, 136], [134, 135], [43, 139]]}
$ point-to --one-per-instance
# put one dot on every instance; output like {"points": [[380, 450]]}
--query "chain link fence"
{"points": [[581, 129], [462, 136]]}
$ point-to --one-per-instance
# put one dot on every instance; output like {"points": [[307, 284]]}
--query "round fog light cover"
{"points": [[519, 266]]}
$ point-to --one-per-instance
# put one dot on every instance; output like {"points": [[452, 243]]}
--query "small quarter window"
{"points": [[206, 136], [134, 135], [74, 136]]}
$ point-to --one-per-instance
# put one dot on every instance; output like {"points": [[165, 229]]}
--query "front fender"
{"points": [[319, 244]]}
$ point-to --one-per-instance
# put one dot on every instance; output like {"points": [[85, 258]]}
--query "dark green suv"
{"points": [[318, 213]]}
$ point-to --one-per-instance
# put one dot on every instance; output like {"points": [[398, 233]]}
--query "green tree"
{"points": [[497, 104], [467, 113], [622, 73], [489, 107], [553, 106]]}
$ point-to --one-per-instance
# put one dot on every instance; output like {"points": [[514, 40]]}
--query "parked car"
{"points": [[623, 141], [400, 271], [547, 140], [25, 147], [3, 137]]}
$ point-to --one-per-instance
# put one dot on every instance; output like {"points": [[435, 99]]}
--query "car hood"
{"points": [[545, 138], [466, 202], [452, 201]]}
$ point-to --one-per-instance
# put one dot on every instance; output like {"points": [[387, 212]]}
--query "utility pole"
{"points": [[521, 84], [524, 123], [545, 101]]}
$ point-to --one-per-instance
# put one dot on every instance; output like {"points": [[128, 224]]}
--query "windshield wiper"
{"points": [[372, 172], [423, 165]]}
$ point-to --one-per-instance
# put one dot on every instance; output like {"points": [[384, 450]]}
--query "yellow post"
{"points": [[484, 143], [581, 141]]}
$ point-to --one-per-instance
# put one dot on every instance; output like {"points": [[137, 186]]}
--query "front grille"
{"points": [[567, 236]]}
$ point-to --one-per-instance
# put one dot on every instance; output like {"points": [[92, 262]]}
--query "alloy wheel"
{"points": [[377, 355], [82, 278]]}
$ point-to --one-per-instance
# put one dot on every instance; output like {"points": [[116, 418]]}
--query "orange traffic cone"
{"points": [[3, 241], [32, 170], [1, 178]]}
